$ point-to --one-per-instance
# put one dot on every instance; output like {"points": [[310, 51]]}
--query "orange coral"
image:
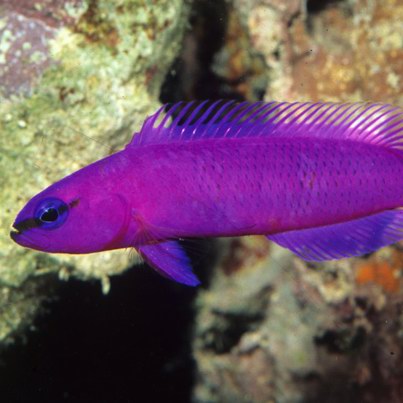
{"points": [[383, 273]]}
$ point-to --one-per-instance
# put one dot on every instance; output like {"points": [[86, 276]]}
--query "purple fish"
{"points": [[324, 180]]}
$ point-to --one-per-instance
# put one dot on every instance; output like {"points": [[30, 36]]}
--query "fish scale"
{"points": [[323, 180]]}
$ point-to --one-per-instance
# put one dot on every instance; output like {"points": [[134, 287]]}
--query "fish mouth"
{"points": [[22, 237], [14, 233]]}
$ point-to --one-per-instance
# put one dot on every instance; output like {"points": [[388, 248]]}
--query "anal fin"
{"points": [[170, 260], [352, 238]]}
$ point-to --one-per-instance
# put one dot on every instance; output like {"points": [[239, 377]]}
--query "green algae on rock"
{"points": [[74, 88]]}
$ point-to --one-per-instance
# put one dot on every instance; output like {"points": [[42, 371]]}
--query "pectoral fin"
{"points": [[170, 260]]}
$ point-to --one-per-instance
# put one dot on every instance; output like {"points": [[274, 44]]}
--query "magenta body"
{"points": [[232, 187]]}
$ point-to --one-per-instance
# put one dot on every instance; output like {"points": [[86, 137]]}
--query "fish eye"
{"points": [[51, 213]]}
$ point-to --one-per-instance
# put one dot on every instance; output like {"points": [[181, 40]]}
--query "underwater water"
{"points": [[77, 78], [131, 345]]}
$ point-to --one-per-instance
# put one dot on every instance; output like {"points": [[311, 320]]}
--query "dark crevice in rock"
{"points": [[228, 327], [316, 6], [223, 339], [191, 76], [342, 341], [128, 346]]}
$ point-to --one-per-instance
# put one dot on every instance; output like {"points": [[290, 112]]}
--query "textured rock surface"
{"points": [[337, 51], [272, 328], [76, 79]]}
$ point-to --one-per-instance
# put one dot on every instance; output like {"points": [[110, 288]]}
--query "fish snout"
{"points": [[14, 233]]}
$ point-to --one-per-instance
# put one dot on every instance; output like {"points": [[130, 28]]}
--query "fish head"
{"points": [[71, 218]]}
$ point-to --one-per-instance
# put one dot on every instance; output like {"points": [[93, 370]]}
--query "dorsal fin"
{"points": [[374, 123]]}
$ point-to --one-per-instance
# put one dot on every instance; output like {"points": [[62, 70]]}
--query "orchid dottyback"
{"points": [[324, 180]]}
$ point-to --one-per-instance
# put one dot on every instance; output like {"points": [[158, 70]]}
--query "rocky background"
{"points": [[76, 79], [271, 328]]}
